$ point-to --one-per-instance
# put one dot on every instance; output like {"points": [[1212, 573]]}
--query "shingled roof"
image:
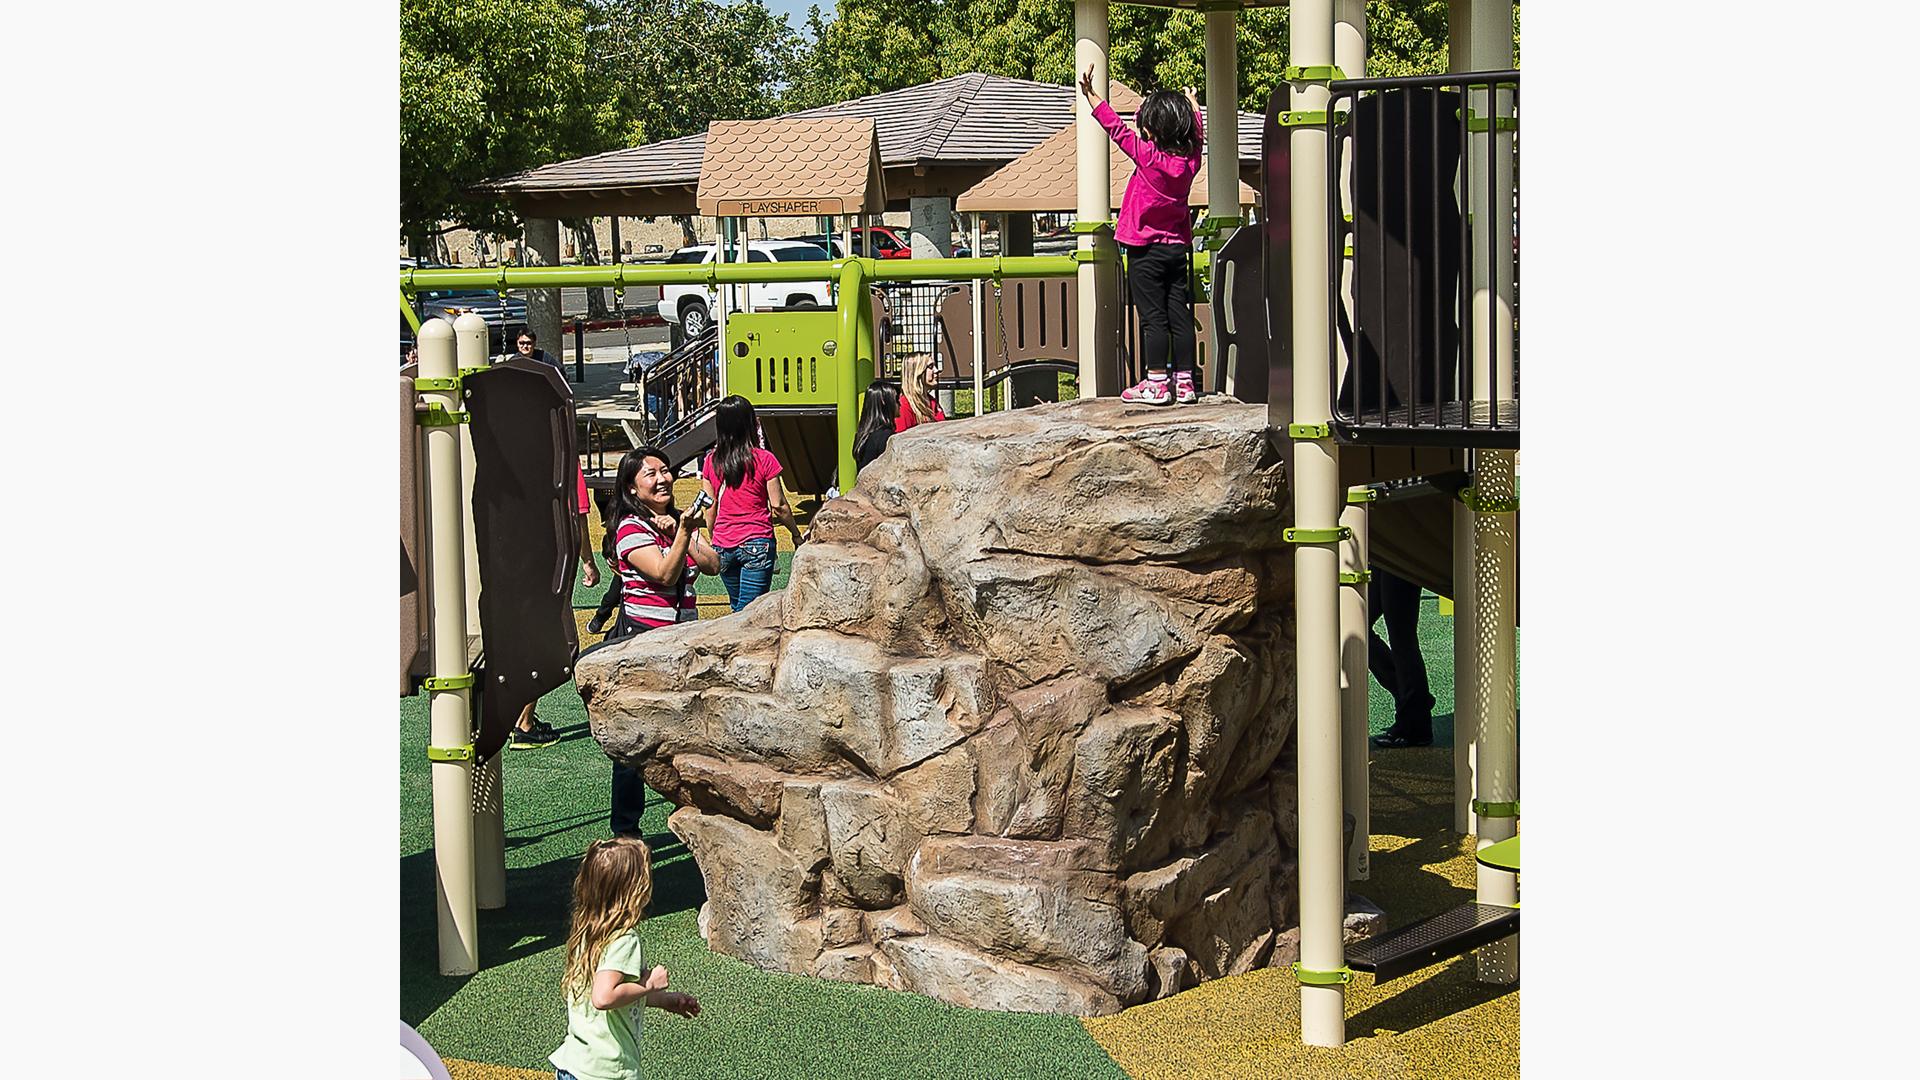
{"points": [[975, 118], [791, 166]]}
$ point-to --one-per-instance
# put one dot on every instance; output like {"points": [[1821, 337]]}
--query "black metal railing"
{"points": [[1431, 336], [682, 387]]}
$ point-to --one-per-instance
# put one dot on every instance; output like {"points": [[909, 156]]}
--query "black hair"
{"points": [[738, 432], [526, 332], [1167, 119], [624, 504], [877, 417]]}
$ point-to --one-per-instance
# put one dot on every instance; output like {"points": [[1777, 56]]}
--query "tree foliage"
{"points": [[487, 88], [869, 46], [676, 64]]}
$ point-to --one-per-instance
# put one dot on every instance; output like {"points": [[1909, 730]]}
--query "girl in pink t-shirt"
{"points": [[1154, 230], [742, 485]]}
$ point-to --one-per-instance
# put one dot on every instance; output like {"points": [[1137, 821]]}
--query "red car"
{"points": [[887, 244]]}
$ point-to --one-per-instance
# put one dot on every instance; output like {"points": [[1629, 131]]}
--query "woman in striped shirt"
{"points": [[659, 554], [659, 551]]}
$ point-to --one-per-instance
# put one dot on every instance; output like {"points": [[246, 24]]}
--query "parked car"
{"points": [[504, 322], [692, 306], [887, 244]]}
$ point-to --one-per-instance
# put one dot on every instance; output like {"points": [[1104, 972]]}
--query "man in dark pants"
{"points": [[1401, 670]]}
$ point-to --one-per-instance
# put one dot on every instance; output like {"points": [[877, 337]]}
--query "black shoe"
{"points": [[597, 624], [1394, 740], [538, 735]]}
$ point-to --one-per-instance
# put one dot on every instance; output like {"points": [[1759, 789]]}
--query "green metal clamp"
{"points": [[1214, 226], [1356, 577], [1309, 431], [1292, 118], [451, 682], [1312, 73], [1083, 227], [436, 415], [1360, 496], [424, 385], [450, 753], [1487, 504], [406, 308], [1476, 122], [1310, 977], [466, 371], [1317, 536], [1496, 809], [1086, 256]]}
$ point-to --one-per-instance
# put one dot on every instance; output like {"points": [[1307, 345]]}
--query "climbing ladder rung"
{"points": [[1452, 932]]}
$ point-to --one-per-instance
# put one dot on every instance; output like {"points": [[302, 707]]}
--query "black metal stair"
{"points": [[1431, 940]]}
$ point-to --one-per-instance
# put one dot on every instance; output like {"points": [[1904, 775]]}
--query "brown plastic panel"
{"points": [[525, 524], [1042, 325], [413, 547]]}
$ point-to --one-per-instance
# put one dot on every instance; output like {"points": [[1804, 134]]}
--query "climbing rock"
{"points": [[1016, 734]]}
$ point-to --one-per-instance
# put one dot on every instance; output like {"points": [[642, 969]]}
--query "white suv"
{"points": [[692, 306]]}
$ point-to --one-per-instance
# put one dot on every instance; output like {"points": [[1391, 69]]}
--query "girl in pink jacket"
{"points": [[1155, 232]]}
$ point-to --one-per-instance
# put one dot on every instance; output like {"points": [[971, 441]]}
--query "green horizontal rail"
{"points": [[547, 277]]}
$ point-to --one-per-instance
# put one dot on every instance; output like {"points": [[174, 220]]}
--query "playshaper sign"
{"points": [[779, 207]]}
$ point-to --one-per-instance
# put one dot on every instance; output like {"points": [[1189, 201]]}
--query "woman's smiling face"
{"points": [[653, 485]]}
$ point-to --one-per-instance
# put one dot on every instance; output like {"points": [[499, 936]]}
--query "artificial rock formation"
{"points": [[1011, 736]]}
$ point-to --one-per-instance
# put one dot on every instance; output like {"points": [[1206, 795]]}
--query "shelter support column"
{"points": [[543, 305], [1317, 499], [489, 816], [450, 738], [1495, 498], [1098, 292]]}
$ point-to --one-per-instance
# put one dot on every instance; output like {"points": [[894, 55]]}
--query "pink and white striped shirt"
{"points": [[644, 602]]}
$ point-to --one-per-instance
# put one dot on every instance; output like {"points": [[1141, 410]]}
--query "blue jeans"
{"points": [[747, 571]]}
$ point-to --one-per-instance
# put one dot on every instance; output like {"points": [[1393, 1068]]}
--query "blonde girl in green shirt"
{"points": [[605, 991]]}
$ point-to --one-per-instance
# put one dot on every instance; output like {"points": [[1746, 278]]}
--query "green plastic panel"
{"points": [[783, 358], [1504, 855]]}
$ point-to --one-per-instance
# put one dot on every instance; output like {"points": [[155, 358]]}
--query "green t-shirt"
{"points": [[605, 1044]]}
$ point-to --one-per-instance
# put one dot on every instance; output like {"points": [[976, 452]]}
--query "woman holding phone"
{"points": [[742, 481]]}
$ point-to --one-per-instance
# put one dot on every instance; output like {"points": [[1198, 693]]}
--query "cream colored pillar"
{"points": [[450, 742], [1350, 56], [1355, 618], [1317, 502], [1093, 202], [1496, 780], [489, 820], [978, 314], [1466, 668], [1223, 113]]}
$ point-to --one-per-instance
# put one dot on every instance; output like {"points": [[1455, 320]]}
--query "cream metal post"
{"points": [[1316, 506], [1356, 619], [489, 820], [1466, 672], [1223, 112], [1094, 192], [978, 306], [1496, 780], [451, 739]]}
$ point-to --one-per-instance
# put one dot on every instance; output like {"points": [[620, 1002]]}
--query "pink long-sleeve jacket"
{"points": [[1154, 209]]}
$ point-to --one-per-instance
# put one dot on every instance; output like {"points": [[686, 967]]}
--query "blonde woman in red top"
{"points": [[918, 380]]}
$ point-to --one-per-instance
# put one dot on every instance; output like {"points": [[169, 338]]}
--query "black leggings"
{"points": [[1157, 280]]}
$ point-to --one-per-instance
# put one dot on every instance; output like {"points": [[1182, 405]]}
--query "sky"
{"points": [[796, 10]]}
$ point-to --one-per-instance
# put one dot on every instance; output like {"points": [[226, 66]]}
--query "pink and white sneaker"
{"points": [[1183, 391], [1149, 391]]}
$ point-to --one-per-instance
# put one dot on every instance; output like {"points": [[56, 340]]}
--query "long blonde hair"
{"points": [[913, 386], [610, 897]]}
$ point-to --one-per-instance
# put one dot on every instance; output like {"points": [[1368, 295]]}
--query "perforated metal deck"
{"points": [[1431, 940]]}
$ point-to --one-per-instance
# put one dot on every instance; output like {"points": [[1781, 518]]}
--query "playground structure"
{"points": [[1390, 364]]}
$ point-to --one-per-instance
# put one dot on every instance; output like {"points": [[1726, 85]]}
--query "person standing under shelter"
{"points": [[1400, 669]]}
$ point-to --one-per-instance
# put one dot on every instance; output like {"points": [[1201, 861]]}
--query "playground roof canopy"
{"points": [[1044, 179], [791, 167], [938, 138]]}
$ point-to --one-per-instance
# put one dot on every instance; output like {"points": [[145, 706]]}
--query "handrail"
{"points": [[546, 277]]}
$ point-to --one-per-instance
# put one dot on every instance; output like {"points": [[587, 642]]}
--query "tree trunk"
{"points": [[589, 247], [685, 221]]}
